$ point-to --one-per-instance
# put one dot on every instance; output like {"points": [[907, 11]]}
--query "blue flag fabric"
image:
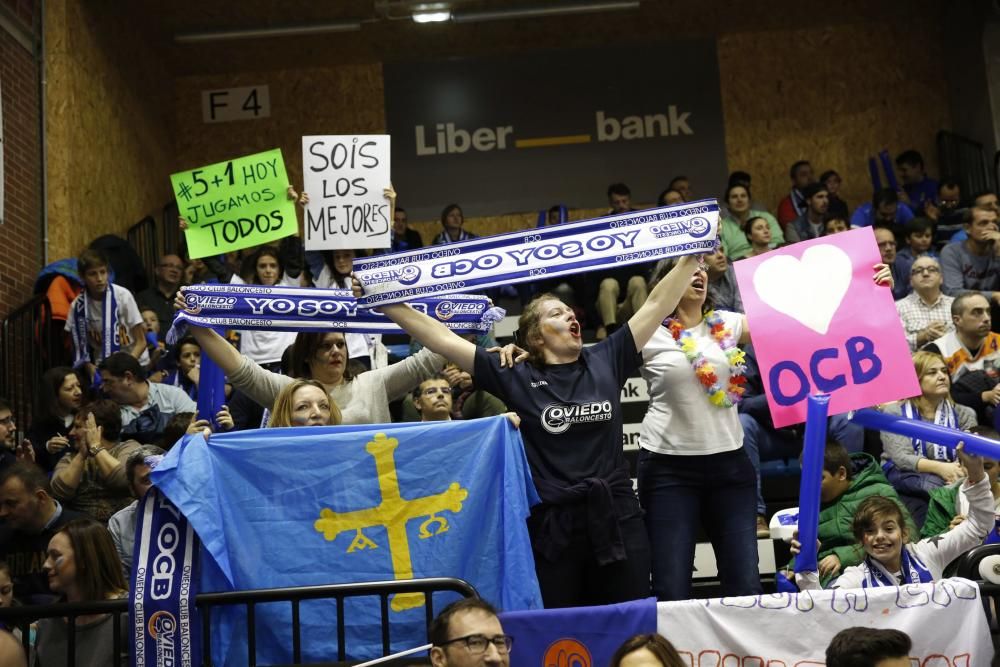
{"points": [[585, 636], [306, 506]]}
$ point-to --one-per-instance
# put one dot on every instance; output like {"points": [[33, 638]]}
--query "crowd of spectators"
{"points": [[117, 394]]}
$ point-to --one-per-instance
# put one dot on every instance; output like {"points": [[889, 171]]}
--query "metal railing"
{"points": [[996, 169], [142, 237], [22, 617], [170, 224], [964, 160], [26, 339]]}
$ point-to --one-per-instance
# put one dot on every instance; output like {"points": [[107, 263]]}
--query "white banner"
{"points": [[345, 176], [944, 619]]}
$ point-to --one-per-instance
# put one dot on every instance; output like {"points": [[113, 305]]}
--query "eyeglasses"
{"points": [[887, 244], [479, 643], [7, 421], [930, 270], [430, 391]]}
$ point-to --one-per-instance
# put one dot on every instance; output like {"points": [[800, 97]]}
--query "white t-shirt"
{"points": [[266, 347], [358, 345], [128, 317], [680, 419]]}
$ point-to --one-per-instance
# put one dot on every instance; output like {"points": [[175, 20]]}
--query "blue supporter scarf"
{"points": [[946, 416], [162, 613], [311, 309], [110, 340], [548, 252], [913, 571]]}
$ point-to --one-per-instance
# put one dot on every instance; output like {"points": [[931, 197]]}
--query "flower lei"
{"points": [[703, 369]]}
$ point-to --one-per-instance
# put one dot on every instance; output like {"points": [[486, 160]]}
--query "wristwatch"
{"points": [[95, 450]]}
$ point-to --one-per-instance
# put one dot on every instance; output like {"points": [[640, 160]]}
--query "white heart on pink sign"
{"points": [[809, 290]]}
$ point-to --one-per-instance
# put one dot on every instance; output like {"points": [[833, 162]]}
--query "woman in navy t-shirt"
{"points": [[589, 542]]}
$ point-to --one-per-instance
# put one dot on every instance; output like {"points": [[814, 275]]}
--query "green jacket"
{"points": [[835, 519], [940, 510]]}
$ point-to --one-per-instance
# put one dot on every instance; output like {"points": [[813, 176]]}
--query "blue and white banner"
{"points": [[286, 507], [944, 619], [313, 309], [540, 253], [163, 616]]}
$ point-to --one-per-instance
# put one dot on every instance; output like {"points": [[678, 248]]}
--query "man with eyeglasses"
{"points": [[925, 312], [160, 297], [432, 399], [467, 633]]}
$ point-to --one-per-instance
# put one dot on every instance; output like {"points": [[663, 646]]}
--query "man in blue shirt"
{"points": [[918, 189], [883, 208]]}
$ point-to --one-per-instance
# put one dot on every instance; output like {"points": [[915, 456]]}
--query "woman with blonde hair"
{"points": [[304, 403], [83, 566], [913, 466]]}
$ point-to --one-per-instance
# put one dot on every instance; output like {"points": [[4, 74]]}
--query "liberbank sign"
{"points": [[525, 131]]}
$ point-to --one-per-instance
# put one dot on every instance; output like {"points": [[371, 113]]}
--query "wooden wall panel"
{"points": [[799, 79], [332, 100], [107, 123], [832, 96]]}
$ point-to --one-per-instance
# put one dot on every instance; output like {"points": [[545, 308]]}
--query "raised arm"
{"points": [[431, 333], [662, 300]]}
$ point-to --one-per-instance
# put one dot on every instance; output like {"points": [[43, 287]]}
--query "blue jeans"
{"points": [[681, 493], [766, 444]]}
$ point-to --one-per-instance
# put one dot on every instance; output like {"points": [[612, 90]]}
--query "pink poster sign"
{"points": [[819, 323]]}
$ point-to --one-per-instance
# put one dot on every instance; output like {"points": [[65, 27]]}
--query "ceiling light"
{"points": [[258, 33], [540, 11], [431, 17]]}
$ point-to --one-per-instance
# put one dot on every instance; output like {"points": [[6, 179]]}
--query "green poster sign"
{"points": [[236, 204]]}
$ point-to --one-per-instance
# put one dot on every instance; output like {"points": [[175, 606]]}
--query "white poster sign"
{"points": [[345, 177], [944, 619]]}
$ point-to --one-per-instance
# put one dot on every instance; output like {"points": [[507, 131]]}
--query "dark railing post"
{"points": [[142, 237], [296, 634], [25, 343]]}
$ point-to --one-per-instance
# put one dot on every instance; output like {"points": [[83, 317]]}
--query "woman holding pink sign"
{"points": [[693, 470]]}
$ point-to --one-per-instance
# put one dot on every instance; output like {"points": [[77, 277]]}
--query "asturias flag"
{"points": [[304, 506]]}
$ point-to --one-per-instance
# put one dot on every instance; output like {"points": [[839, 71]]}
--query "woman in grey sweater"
{"points": [[362, 399], [913, 466]]}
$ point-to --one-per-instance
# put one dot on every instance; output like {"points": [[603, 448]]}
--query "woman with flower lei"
{"points": [[693, 471]]}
